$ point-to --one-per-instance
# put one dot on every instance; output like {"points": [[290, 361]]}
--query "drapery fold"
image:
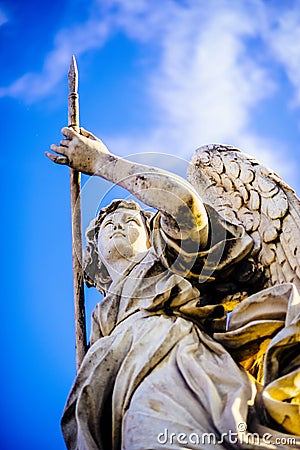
{"points": [[153, 373]]}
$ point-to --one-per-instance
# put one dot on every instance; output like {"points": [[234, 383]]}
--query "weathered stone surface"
{"points": [[197, 337]]}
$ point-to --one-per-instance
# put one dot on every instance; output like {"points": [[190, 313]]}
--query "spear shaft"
{"points": [[79, 309]]}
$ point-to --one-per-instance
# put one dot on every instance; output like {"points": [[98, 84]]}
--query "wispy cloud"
{"points": [[210, 68], [106, 17], [282, 37], [78, 39], [207, 83]]}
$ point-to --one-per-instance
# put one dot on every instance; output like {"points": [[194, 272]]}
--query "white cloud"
{"points": [[106, 16], [283, 37], [78, 39], [207, 83], [207, 77]]}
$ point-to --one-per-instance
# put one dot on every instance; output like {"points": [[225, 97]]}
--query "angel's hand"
{"points": [[81, 151], [88, 134]]}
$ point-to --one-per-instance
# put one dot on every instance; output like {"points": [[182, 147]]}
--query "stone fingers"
{"points": [[58, 159], [70, 133], [60, 149]]}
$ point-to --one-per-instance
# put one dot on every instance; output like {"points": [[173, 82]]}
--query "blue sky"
{"points": [[155, 76]]}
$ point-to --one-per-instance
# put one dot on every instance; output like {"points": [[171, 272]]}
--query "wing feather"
{"points": [[246, 192]]}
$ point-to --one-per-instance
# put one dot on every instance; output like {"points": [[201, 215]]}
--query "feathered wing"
{"points": [[246, 192]]}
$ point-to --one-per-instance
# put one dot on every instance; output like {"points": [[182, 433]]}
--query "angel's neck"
{"points": [[118, 266]]}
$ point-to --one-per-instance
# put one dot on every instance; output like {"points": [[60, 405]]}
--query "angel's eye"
{"points": [[132, 221], [108, 224]]}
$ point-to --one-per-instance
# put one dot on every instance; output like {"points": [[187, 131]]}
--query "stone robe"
{"points": [[156, 376]]}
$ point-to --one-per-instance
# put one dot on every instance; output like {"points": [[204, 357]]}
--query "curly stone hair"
{"points": [[95, 272]]}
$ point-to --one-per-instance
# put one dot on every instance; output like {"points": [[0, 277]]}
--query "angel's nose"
{"points": [[118, 226]]}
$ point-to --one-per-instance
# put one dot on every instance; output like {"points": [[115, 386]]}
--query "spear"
{"points": [[79, 310]]}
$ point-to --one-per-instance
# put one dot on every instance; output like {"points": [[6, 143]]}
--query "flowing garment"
{"points": [[155, 377]]}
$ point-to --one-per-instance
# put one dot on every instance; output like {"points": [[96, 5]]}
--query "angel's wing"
{"points": [[246, 192]]}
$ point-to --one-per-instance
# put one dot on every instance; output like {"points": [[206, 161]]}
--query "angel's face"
{"points": [[122, 234]]}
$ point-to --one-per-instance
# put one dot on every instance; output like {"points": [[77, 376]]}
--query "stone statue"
{"points": [[196, 342]]}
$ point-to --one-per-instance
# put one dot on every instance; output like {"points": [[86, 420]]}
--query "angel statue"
{"points": [[196, 342]]}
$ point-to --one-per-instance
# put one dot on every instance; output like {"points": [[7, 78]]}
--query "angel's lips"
{"points": [[116, 234]]}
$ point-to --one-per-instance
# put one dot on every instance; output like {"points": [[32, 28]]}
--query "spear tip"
{"points": [[73, 76]]}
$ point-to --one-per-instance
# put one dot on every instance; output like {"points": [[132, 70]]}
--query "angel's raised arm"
{"points": [[183, 213]]}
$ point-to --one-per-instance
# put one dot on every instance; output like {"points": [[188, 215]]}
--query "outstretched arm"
{"points": [[183, 213]]}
